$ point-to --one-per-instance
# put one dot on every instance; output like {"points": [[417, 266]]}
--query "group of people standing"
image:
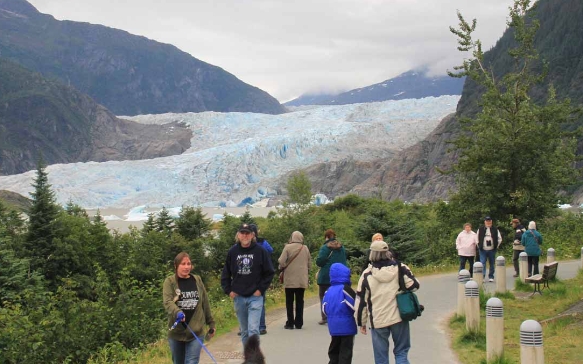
{"points": [[488, 239], [248, 273]]}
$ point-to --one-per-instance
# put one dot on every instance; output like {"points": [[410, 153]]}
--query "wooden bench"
{"points": [[549, 273]]}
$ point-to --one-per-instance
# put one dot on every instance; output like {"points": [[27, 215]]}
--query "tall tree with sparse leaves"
{"points": [[514, 156], [42, 215]]}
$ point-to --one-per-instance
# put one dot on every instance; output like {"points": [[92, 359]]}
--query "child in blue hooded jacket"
{"points": [[338, 306]]}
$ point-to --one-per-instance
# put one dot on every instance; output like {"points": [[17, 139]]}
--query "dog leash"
{"points": [[197, 339]]}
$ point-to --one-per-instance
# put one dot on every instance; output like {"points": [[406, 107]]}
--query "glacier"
{"points": [[237, 158]]}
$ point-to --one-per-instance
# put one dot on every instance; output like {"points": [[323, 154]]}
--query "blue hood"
{"points": [[339, 274]]}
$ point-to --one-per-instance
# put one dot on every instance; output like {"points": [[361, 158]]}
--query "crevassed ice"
{"points": [[239, 156]]}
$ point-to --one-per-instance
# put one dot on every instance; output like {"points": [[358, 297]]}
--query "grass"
{"points": [[562, 337]]}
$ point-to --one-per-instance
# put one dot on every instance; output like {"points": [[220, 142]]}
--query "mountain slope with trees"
{"points": [[43, 118], [559, 42], [128, 74]]}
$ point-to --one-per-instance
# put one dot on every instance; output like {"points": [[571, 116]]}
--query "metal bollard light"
{"points": [[479, 273], [472, 306], [550, 255], [523, 266], [463, 277], [531, 343], [494, 329], [500, 274]]}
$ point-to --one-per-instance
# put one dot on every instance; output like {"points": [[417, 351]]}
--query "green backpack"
{"points": [[409, 307]]}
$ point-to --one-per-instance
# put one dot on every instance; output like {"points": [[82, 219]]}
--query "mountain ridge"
{"points": [[128, 74], [414, 84]]}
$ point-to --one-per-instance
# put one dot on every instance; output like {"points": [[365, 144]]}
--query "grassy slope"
{"points": [[14, 200], [562, 338]]}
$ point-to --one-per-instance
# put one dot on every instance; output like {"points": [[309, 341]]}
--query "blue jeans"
{"points": [[491, 256], [248, 310], [185, 352], [401, 340]]}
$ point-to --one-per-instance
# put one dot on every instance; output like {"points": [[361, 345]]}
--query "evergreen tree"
{"points": [[192, 223], [149, 225], [165, 222], [38, 245], [514, 155], [246, 218]]}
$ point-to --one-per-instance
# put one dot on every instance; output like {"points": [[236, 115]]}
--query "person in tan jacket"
{"points": [[295, 261], [376, 302]]}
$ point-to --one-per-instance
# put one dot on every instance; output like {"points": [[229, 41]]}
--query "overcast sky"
{"points": [[292, 47]]}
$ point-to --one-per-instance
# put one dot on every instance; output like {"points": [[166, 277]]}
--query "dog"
{"points": [[252, 353]]}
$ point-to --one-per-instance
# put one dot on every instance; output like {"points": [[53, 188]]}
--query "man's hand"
{"points": [[257, 293], [363, 330], [233, 295]]}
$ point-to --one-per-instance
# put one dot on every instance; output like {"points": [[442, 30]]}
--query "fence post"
{"points": [[494, 329], [472, 306], [550, 255], [478, 273], [463, 277], [531, 343], [500, 274], [523, 271]]}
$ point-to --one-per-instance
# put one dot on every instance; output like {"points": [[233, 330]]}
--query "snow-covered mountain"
{"points": [[238, 157], [413, 84]]}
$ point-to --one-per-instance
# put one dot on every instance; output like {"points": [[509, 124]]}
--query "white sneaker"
{"points": [[491, 280]]}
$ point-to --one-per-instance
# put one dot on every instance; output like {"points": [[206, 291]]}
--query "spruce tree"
{"points": [[514, 156], [165, 222], [38, 244], [192, 223]]}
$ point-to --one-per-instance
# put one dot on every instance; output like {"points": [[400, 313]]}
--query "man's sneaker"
{"points": [[491, 280], [262, 332]]}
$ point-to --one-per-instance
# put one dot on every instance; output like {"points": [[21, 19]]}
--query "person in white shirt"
{"points": [[466, 243]]}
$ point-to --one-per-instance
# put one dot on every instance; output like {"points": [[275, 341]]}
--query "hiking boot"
{"points": [[239, 333], [322, 322], [262, 332], [288, 327]]}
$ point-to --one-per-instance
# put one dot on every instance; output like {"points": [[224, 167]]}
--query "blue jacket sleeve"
{"points": [[267, 273], [267, 247]]}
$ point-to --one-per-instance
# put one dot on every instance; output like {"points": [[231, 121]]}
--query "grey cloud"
{"points": [[291, 47]]}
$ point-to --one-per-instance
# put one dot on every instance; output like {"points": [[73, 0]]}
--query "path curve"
{"points": [[430, 343]]}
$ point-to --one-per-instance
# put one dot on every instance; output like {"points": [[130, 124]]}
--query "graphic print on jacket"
{"points": [[244, 263]]}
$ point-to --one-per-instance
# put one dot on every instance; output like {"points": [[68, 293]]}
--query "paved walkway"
{"points": [[430, 343]]}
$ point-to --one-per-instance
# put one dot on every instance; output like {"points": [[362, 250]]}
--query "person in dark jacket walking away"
{"points": [[517, 247], [185, 299], [532, 240], [338, 306], [247, 274], [331, 252], [265, 244]]}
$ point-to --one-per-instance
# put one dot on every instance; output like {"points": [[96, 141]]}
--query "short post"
{"points": [[531, 343], [463, 277], [550, 255], [523, 266], [472, 307], [494, 329], [501, 274], [479, 273]]}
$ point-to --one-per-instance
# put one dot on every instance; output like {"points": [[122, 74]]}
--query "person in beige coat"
{"points": [[295, 261]]}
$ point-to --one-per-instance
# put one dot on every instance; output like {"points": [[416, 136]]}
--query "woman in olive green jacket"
{"points": [[185, 299]]}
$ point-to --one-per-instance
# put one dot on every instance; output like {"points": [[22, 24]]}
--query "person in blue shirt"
{"points": [[338, 306], [265, 244]]}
